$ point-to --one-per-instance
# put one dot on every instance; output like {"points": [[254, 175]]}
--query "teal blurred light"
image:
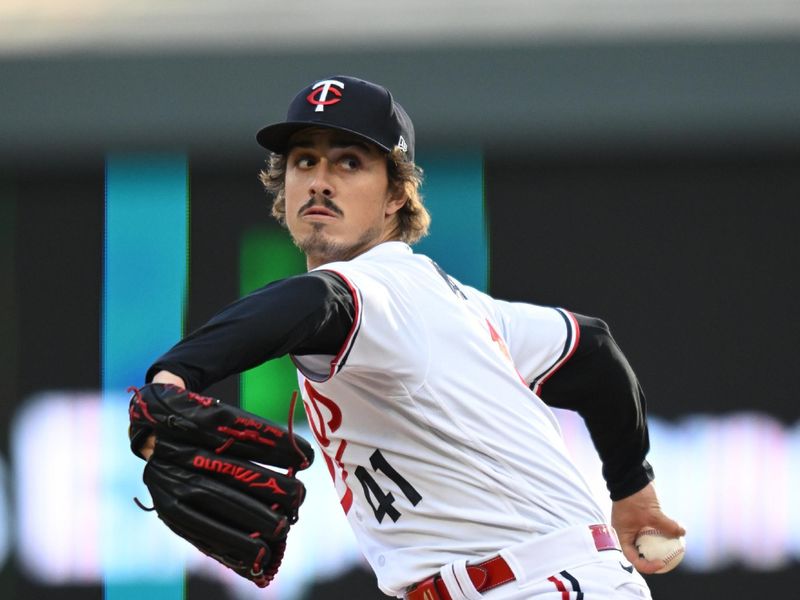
{"points": [[453, 193], [144, 296]]}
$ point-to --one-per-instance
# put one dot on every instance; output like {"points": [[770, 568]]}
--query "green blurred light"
{"points": [[268, 254]]}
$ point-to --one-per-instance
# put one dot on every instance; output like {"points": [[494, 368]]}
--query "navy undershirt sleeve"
{"points": [[599, 383], [306, 314]]}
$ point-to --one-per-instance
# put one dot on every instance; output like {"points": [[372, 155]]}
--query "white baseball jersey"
{"points": [[437, 447]]}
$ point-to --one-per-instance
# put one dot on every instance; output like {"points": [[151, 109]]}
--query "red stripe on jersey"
{"points": [[497, 339], [347, 500], [576, 338], [319, 427], [329, 462], [353, 329], [340, 451], [560, 587]]}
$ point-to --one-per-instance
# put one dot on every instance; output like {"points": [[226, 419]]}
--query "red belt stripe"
{"points": [[495, 572]]}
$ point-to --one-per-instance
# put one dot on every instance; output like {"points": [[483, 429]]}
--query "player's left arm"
{"points": [[310, 313]]}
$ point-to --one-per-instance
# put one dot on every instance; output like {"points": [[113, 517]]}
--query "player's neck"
{"points": [[331, 254]]}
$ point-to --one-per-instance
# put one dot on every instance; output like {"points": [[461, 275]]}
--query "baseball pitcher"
{"points": [[428, 400]]}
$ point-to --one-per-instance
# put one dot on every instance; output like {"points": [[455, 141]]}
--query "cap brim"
{"points": [[276, 137]]}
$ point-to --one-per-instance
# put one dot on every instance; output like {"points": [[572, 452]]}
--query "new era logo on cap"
{"points": [[347, 104]]}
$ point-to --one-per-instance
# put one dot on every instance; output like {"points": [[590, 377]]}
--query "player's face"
{"points": [[338, 202]]}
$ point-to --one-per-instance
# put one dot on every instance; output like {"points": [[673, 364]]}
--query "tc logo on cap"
{"points": [[321, 90]]}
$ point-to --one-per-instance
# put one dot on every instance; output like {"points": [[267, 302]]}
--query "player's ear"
{"points": [[397, 195], [396, 201]]}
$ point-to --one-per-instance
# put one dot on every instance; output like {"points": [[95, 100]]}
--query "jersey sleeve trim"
{"points": [[570, 345], [338, 361]]}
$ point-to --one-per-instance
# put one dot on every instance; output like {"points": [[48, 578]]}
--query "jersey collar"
{"points": [[390, 247]]}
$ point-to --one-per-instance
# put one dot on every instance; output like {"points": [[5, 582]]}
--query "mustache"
{"points": [[326, 202]]}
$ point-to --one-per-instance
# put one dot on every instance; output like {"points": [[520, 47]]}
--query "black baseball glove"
{"points": [[206, 481]]}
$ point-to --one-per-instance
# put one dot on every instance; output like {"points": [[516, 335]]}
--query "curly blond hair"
{"points": [[413, 219]]}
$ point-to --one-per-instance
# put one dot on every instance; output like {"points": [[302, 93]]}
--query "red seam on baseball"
{"points": [[677, 552]]}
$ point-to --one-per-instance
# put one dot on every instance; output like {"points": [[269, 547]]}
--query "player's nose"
{"points": [[321, 184]]}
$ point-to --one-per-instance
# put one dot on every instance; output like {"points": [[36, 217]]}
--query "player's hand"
{"points": [[161, 377], [148, 447], [636, 512]]}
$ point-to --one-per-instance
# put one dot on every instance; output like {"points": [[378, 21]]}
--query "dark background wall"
{"points": [[690, 257], [581, 95]]}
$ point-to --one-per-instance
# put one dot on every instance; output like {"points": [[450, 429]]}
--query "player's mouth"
{"points": [[323, 208], [318, 211]]}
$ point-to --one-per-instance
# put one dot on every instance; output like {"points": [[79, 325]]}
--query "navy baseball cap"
{"points": [[347, 104]]}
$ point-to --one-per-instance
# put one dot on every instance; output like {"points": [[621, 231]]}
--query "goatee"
{"points": [[322, 249]]}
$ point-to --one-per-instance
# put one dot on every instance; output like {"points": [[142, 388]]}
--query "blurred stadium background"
{"points": [[637, 161]]}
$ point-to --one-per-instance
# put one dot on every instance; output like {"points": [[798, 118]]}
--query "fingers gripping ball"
{"points": [[654, 545], [210, 476]]}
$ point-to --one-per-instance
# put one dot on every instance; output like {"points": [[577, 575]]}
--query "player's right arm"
{"points": [[598, 382], [572, 361]]}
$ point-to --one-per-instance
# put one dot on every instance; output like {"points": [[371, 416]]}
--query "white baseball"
{"points": [[654, 545]]}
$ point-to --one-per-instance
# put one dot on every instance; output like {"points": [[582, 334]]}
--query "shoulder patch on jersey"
{"points": [[448, 280]]}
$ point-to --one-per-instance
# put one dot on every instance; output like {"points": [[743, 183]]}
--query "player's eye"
{"points": [[350, 163], [304, 161]]}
